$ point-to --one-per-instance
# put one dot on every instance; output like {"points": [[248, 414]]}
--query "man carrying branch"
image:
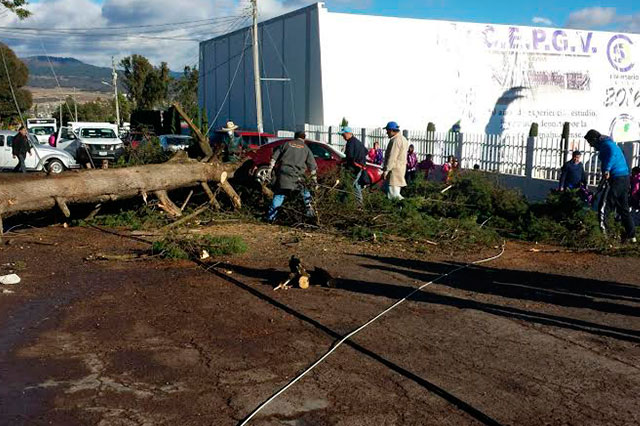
{"points": [[615, 173], [293, 158]]}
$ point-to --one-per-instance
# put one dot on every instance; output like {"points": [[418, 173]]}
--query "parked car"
{"points": [[99, 140], [42, 158], [327, 157], [42, 128], [173, 143]]}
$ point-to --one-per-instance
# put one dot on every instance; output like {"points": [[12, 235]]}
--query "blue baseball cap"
{"points": [[392, 125], [346, 130]]}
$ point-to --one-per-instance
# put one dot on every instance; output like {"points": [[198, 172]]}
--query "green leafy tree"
{"points": [[204, 128], [147, 86], [344, 122], [18, 75], [18, 7], [184, 90], [98, 110]]}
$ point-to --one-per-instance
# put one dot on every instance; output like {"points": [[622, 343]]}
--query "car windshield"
{"points": [[40, 131], [178, 141], [98, 133]]}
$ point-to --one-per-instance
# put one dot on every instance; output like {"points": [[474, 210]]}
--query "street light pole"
{"points": [[115, 89], [256, 68]]}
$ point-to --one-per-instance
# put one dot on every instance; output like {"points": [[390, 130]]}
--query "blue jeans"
{"points": [[357, 189], [278, 200]]}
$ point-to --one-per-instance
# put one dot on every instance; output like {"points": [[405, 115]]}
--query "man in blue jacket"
{"points": [[615, 172]]}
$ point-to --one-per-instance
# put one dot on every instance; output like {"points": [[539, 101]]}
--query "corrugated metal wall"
{"points": [[290, 48]]}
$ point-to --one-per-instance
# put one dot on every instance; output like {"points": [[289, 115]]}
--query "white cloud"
{"points": [[541, 21], [592, 17], [133, 15]]}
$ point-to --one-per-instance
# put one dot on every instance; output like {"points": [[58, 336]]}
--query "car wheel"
{"points": [[263, 176], [55, 167]]}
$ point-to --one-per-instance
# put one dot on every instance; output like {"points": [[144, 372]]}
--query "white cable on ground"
{"points": [[362, 327]]}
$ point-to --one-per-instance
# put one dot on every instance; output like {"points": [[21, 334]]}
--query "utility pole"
{"points": [[115, 89], [256, 68], [75, 103]]}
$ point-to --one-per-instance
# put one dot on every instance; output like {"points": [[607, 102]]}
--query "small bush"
{"points": [[149, 151], [190, 247], [145, 217]]}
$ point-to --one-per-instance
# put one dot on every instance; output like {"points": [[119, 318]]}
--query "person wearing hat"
{"points": [[233, 145], [615, 174], [395, 161], [356, 160], [293, 158], [572, 175]]}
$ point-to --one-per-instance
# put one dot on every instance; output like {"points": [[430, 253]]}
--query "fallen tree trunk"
{"points": [[96, 186]]}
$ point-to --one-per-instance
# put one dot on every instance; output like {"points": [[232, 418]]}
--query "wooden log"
{"points": [[187, 218], [233, 195], [62, 205], [167, 205], [98, 186], [212, 197], [186, 201], [202, 140]]}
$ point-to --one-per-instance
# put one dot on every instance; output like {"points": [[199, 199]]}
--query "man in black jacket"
{"points": [[20, 147], [573, 175], [356, 159]]}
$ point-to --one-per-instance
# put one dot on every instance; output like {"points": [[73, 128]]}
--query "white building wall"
{"points": [[290, 48], [494, 79], [491, 78]]}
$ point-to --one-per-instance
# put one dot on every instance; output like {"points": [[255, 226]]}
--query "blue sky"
{"points": [[619, 15], [622, 14]]}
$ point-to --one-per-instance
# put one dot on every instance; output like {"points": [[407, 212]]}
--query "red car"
{"points": [[326, 156]]}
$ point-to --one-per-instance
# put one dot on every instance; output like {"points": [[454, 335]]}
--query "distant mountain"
{"points": [[71, 73]]}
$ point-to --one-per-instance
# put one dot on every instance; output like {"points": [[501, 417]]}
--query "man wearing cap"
{"points": [[356, 159], [615, 173], [573, 175], [293, 158], [395, 161], [233, 144]]}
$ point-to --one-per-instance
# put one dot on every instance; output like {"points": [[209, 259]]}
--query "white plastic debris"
{"points": [[5, 291], [204, 255], [10, 279]]}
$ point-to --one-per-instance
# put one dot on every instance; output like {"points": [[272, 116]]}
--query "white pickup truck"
{"points": [[42, 158], [98, 141], [42, 128]]}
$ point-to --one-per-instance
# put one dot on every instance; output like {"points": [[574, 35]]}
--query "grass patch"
{"points": [[144, 217], [192, 246]]}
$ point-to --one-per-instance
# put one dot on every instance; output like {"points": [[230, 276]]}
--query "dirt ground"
{"points": [[531, 338]]}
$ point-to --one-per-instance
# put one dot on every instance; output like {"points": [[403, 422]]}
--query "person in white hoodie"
{"points": [[395, 161]]}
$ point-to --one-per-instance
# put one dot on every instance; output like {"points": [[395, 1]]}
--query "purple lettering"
{"points": [[489, 33], [514, 37], [560, 42], [586, 44], [539, 36]]}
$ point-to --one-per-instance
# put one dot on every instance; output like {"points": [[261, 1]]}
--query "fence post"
{"points": [[363, 136], [528, 164], [329, 135], [459, 146]]}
